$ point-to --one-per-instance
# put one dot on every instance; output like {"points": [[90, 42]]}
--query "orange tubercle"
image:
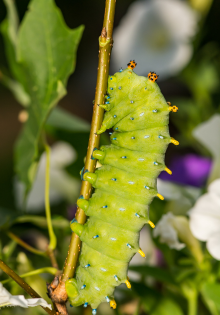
{"points": [[152, 76], [151, 224], [173, 108], [132, 64], [113, 304], [128, 284]]}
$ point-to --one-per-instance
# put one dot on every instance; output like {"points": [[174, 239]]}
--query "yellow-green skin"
{"points": [[126, 184]]}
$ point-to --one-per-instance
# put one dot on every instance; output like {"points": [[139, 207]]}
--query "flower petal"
{"points": [[213, 245], [207, 134], [167, 232], [157, 33], [6, 299]]}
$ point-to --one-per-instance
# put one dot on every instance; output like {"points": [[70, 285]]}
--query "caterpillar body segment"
{"points": [[124, 185]]}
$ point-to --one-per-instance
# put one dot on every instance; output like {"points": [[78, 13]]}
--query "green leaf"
{"points": [[46, 49], [167, 306], [61, 119], [159, 274], [9, 30], [17, 89], [211, 293]]}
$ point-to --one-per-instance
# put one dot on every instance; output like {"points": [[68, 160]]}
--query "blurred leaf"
{"points": [[61, 119], [166, 306], [159, 274], [7, 216], [57, 222], [211, 293], [16, 88], [47, 51], [148, 296], [9, 30]]}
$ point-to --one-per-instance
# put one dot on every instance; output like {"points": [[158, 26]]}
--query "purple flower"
{"points": [[190, 169]]}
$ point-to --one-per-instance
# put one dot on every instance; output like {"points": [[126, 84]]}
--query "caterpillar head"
{"points": [[132, 64], [152, 76]]}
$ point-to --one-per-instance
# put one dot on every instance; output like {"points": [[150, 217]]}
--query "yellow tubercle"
{"points": [[128, 284], [172, 140], [160, 196], [151, 224], [113, 304], [168, 170], [141, 253], [173, 108]]}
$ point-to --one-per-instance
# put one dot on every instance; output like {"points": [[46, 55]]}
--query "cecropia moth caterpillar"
{"points": [[124, 185]]}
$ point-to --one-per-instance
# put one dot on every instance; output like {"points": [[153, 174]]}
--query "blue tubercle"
{"points": [[115, 116], [94, 311], [114, 179], [131, 102], [83, 287], [96, 236], [105, 207], [88, 265], [121, 70], [107, 102], [74, 220], [85, 304], [111, 88], [154, 110], [116, 128], [129, 246], [119, 87], [114, 138]]}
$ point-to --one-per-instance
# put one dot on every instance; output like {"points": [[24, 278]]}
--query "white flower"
{"points": [[6, 299], [165, 228], [157, 34], [172, 191], [208, 134], [172, 228], [205, 219], [62, 185]]}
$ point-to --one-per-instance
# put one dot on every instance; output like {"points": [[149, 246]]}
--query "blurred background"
{"points": [[180, 41]]}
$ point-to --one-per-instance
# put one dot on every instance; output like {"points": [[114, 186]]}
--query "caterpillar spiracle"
{"points": [[124, 185]]}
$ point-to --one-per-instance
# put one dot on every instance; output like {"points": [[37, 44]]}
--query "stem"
{"points": [[50, 270], [23, 284], [25, 245], [53, 240], [105, 46], [192, 306]]}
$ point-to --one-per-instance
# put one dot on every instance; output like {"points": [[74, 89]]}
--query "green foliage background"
{"points": [[39, 81]]}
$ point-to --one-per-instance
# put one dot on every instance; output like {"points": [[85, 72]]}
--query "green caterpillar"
{"points": [[125, 186]]}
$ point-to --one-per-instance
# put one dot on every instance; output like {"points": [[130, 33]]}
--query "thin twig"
{"points": [[35, 272], [52, 236], [25, 245], [105, 45], [23, 284]]}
